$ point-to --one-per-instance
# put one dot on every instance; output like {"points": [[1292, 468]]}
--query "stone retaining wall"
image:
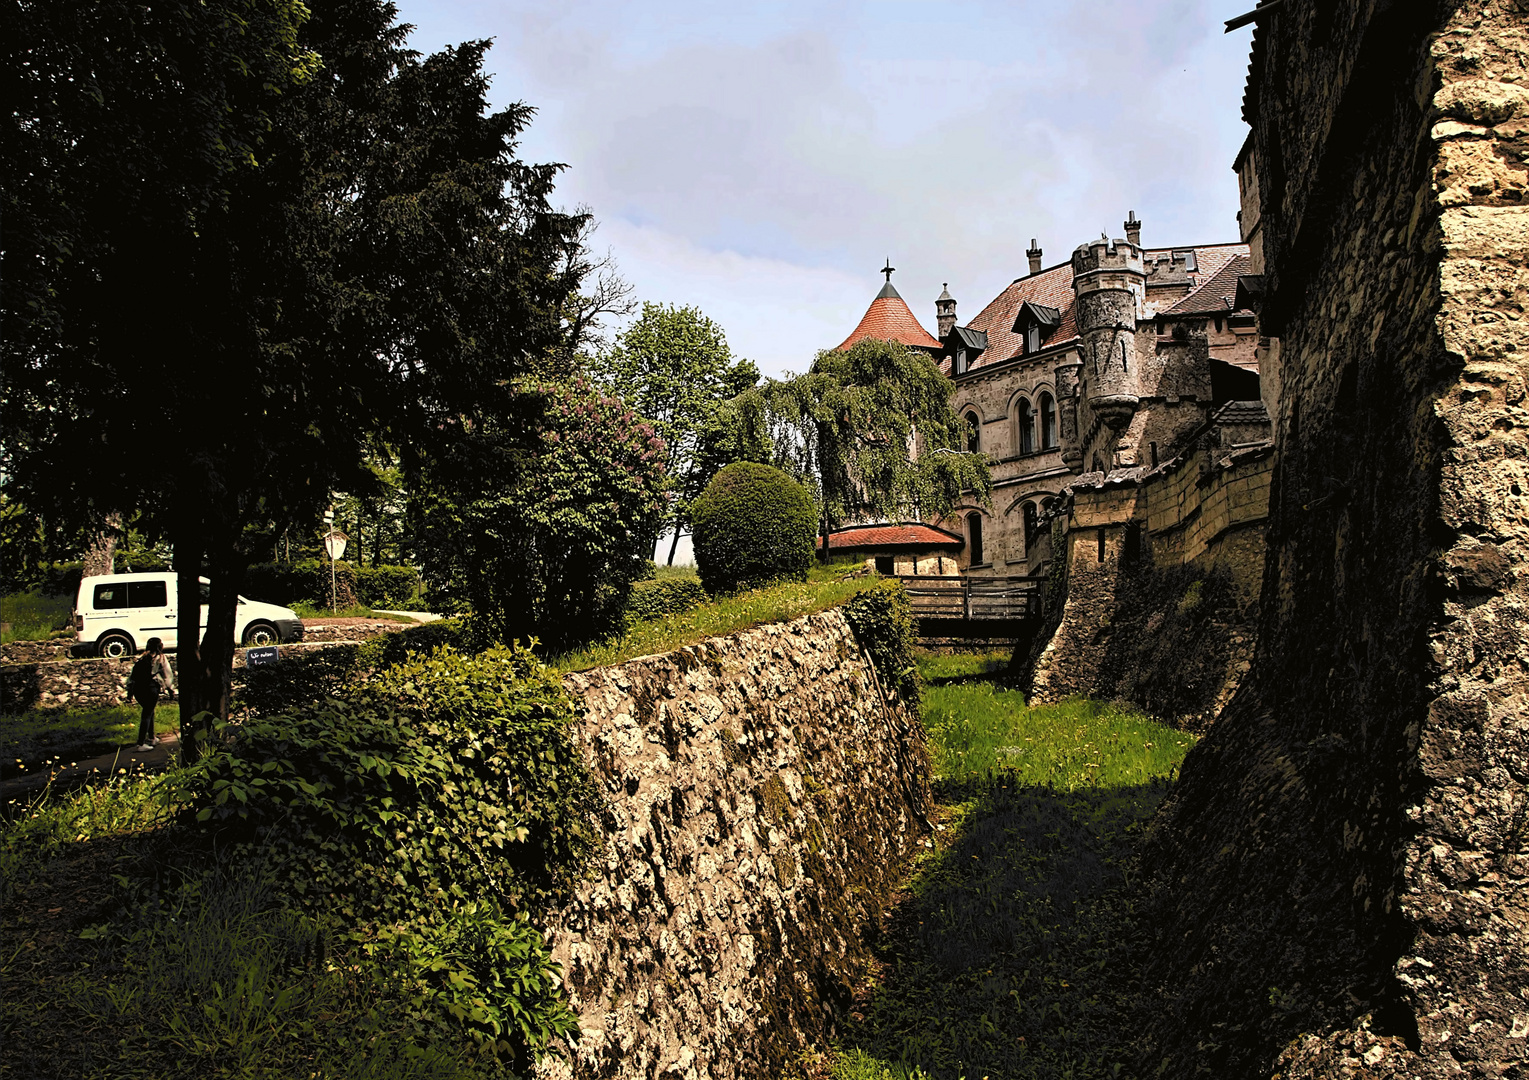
{"points": [[1340, 881], [765, 792], [94, 683], [1161, 600]]}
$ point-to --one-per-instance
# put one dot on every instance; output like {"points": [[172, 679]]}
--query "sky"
{"points": [[761, 161]]}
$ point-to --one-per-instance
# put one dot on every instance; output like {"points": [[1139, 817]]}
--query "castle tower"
{"points": [[944, 313], [1109, 280]]}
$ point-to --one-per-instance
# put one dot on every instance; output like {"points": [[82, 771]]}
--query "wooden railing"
{"points": [[975, 598]]}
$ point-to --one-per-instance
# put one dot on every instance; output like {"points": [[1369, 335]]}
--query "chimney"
{"points": [[944, 313], [1133, 229], [1035, 256]]}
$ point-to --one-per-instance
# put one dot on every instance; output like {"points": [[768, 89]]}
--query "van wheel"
{"points": [[114, 646], [260, 633]]}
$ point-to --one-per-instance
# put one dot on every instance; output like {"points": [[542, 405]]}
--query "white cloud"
{"points": [[759, 161]]}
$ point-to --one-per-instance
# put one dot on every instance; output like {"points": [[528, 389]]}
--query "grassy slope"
{"points": [[32, 616], [1012, 953], [824, 588]]}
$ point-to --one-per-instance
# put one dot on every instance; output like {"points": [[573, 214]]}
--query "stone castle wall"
{"points": [[765, 792], [1161, 590], [1340, 882]]}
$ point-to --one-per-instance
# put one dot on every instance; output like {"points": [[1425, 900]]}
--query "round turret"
{"points": [[1109, 279]]}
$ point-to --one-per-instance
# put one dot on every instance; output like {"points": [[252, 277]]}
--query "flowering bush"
{"points": [[552, 554]]}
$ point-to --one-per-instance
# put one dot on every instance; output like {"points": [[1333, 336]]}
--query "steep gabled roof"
{"points": [[1052, 288], [1218, 294], [888, 319]]}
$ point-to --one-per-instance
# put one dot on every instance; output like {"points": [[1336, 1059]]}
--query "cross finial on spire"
{"points": [[887, 270]]}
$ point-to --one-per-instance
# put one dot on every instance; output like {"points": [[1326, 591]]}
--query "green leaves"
{"points": [[546, 539], [872, 428]]}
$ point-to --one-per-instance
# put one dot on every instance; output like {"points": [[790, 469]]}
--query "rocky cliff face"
{"points": [[765, 790], [1341, 880]]}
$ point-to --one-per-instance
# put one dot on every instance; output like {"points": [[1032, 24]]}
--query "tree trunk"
{"points": [[188, 632], [101, 551], [674, 544]]}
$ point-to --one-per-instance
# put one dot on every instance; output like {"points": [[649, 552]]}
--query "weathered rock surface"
{"points": [[1342, 875], [765, 790]]}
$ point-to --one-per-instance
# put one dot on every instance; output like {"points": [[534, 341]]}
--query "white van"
{"points": [[118, 613]]}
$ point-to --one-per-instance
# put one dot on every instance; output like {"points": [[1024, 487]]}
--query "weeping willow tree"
{"points": [[869, 429]]}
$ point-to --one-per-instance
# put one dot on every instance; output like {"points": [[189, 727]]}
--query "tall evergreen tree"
{"points": [[260, 267]]}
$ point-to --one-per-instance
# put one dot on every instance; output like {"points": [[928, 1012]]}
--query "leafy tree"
{"points": [[871, 428], [673, 366], [544, 540], [263, 245]]}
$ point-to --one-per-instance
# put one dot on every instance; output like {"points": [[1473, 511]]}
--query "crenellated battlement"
{"points": [[1097, 263]]}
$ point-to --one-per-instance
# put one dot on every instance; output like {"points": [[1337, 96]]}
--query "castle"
{"points": [[1102, 370]]}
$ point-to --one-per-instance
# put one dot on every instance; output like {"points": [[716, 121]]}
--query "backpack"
{"points": [[141, 682]]}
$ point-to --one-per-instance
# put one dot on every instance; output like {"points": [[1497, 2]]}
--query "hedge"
{"points": [[308, 582]]}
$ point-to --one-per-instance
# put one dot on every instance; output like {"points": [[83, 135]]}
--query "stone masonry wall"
{"points": [[93, 683], [1340, 882], [765, 791], [1164, 618]]}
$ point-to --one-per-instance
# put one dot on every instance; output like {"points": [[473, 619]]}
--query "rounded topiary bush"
{"points": [[753, 524]]}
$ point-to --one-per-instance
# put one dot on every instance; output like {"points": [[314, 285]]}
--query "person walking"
{"points": [[150, 677]]}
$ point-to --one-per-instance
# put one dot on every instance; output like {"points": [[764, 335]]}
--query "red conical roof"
{"points": [[888, 319]]}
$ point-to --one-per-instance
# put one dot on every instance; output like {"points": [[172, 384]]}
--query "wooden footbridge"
{"points": [[976, 607]]}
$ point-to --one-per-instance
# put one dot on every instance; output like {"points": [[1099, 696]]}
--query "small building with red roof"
{"points": [[905, 547]]}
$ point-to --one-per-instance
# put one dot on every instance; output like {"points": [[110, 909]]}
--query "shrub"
{"points": [[670, 596], [882, 618], [547, 545], [420, 812], [458, 774], [753, 525], [309, 678]]}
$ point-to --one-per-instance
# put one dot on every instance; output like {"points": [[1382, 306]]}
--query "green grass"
{"points": [[978, 730], [676, 573], [1016, 953], [939, 668], [178, 973], [305, 610], [32, 616], [36, 738], [825, 587]]}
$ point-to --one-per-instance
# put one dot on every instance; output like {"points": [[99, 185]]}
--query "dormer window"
{"points": [[965, 345], [1033, 323]]}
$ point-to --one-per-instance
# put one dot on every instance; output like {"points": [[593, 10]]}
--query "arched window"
{"points": [[974, 537], [973, 433], [1032, 518], [1026, 423], [1048, 422]]}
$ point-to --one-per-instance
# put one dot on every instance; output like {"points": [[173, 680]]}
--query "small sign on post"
{"points": [[262, 654], [334, 545]]}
